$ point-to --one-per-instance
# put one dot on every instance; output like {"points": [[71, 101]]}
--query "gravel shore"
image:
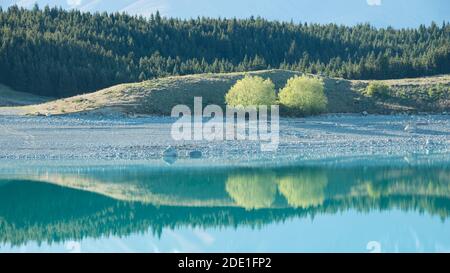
{"points": [[114, 139]]}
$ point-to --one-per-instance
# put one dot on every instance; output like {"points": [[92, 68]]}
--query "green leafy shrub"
{"points": [[251, 90], [376, 89], [304, 95]]}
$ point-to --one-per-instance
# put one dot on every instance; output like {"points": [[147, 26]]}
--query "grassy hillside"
{"points": [[9, 97], [158, 96]]}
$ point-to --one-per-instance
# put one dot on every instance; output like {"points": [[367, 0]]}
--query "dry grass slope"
{"points": [[158, 96], [9, 97]]}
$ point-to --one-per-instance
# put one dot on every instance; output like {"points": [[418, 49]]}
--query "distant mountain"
{"points": [[381, 13]]}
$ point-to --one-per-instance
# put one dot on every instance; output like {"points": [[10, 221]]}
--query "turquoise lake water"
{"points": [[357, 207]]}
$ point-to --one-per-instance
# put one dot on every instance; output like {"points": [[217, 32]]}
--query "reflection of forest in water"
{"points": [[100, 202]]}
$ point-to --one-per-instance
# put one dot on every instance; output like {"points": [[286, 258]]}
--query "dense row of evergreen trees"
{"points": [[55, 52]]}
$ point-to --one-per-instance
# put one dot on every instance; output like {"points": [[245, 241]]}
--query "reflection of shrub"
{"points": [[376, 89], [252, 191], [303, 95], [251, 91], [373, 191], [304, 190]]}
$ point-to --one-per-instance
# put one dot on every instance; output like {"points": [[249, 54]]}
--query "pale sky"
{"points": [[381, 13]]}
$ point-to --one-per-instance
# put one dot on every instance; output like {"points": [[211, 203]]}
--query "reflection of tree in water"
{"points": [[259, 190], [409, 182], [42, 212], [46, 212], [253, 190], [306, 189]]}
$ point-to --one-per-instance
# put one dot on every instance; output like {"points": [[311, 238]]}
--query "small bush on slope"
{"points": [[375, 89]]}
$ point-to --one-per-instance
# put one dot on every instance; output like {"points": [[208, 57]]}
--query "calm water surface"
{"points": [[135, 208]]}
